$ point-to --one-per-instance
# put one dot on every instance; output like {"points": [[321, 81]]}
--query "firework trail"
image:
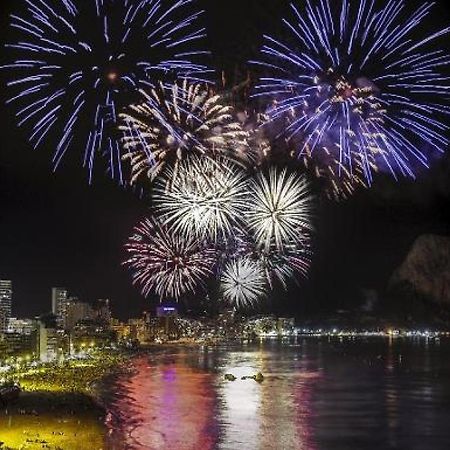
{"points": [[177, 121], [337, 181], [75, 64], [284, 265], [165, 263], [357, 91]]}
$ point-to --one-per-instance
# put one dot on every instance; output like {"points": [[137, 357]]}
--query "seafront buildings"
{"points": [[72, 326], [75, 328]]}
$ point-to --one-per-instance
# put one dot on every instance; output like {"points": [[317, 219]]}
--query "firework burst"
{"points": [[356, 88], [76, 64], [243, 282], [166, 263], [207, 200], [279, 209], [277, 266], [283, 266], [177, 121]]}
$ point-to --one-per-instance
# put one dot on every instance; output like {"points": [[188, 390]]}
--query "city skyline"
{"points": [[59, 302]]}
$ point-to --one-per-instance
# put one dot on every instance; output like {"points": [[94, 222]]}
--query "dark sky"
{"points": [[55, 229]]}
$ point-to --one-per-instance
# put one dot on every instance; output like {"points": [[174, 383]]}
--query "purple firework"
{"points": [[75, 64], [357, 91]]}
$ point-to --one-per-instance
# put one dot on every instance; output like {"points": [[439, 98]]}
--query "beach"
{"points": [[60, 406], [52, 420]]}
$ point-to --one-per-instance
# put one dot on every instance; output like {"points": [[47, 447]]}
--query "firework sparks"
{"points": [[337, 181], [207, 199], [283, 266], [243, 282], [76, 64], [278, 266], [357, 90], [279, 209], [177, 121], [166, 263]]}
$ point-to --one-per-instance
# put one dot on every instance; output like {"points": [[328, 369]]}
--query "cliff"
{"points": [[422, 282]]}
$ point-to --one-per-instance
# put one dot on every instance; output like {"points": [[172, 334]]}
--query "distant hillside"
{"points": [[421, 285]]}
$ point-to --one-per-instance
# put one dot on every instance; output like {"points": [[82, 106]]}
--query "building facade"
{"points": [[103, 311], [5, 304], [60, 305], [21, 326], [48, 343], [76, 312]]}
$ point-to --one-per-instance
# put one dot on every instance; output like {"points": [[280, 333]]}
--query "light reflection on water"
{"points": [[316, 395]]}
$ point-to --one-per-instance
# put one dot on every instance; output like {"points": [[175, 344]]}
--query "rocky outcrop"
{"points": [[425, 273]]}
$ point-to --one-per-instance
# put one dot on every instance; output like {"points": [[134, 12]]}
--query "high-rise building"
{"points": [[103, 310], [5, 304], [76, 312], [60, 305], [21, 326], [47, 343]]}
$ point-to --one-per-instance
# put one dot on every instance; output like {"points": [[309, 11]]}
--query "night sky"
{"points": [[56, 230]]}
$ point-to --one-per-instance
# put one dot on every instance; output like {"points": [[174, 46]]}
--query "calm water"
{"points": [[318, 394]]}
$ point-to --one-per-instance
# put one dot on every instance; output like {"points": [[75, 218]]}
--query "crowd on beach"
{"points": [[71, 376], [57, 407]]}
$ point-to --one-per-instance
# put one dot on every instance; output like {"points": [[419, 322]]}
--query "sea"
{"points": [[326, 393]]}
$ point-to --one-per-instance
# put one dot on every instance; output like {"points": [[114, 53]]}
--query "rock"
{"points": [[230, 377], [425, 272], [259, 377]]}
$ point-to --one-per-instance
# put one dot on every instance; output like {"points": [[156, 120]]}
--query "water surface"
{"points": [[318, 394]]}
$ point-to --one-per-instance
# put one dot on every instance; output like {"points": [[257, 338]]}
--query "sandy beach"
{"points": [[61, 407], [53, 421]]}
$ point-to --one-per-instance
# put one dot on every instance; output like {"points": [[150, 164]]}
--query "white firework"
{"points": [[243, 282], [207, 200], [279, 209], [176, 121], [278, 266]]}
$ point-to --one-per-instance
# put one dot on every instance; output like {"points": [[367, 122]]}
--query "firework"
{"points": [[357, 90], [284, 265], [166, 263], [243, 282], [259, 148], [177, 121], [279, 209], [337, 181], [207, 199], [277, 266], [76, 64]]}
